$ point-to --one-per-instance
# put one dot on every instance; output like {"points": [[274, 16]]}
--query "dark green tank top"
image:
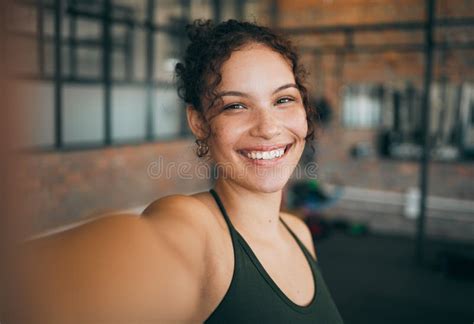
{"points": [[253, 297]]}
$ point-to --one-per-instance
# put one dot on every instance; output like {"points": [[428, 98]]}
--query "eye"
{"points": [[284, 100], [234, 106]]}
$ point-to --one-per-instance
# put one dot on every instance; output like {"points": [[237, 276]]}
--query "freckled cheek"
{"points": [[297, 124], [222, 137]]}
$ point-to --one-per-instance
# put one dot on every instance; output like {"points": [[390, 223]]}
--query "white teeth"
{"points": [[266, 155]]}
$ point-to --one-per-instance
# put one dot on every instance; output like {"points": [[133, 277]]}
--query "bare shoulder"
{"points": [[190, 224], [181, 209], [183, 221], [301, 230], [176, 202]]}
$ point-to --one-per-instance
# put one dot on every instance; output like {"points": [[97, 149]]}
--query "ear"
{"points": [[196, 122]]}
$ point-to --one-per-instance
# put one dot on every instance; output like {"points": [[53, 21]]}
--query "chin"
{"points": [[265, 183]]}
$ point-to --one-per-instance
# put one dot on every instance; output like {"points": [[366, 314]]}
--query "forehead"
{"points": [[255, 67]]}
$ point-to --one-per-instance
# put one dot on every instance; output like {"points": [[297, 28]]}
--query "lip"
{"points": [[265, 148]]}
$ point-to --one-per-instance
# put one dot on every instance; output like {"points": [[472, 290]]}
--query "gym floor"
{"points": [[375, 279]]}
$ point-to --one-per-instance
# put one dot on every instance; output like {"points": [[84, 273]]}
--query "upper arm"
{"points": [[302, 231], [118, 268], [180, 222]]}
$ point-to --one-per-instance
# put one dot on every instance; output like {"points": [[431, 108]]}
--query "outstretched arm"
{"points": [[120, 268]]}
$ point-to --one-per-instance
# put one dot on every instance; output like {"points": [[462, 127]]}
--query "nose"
{"points": [[265, 124]]}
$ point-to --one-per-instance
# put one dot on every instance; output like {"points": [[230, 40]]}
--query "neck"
{"points": [[251, 212]]}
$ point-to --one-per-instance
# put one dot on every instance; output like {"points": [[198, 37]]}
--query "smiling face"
{"points": [[258, 128]]}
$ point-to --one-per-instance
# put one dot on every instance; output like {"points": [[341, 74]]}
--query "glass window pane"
{"points": [[167, 115], [89, 62], [118, 66], [131, 8], [49, 59], [88, 29], [201, 9], [227, 10], [168, 11], [128, 113], [139, 55], [83, 114], [167, 52]]}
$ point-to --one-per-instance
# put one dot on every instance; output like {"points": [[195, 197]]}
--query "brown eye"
{"points": [[235, 106], [284, 100]]}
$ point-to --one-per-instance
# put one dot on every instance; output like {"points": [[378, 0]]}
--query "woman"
{"points": [[224, 256]]}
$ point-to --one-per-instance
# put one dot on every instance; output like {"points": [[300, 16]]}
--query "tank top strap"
{"points": [[234, 232], [301, 245], [223, 211]]}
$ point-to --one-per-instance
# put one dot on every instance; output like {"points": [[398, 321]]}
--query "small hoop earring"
{"points": [[202, 147]]}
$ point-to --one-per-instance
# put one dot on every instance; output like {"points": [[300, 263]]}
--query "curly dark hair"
{"points": [[198, 76]]}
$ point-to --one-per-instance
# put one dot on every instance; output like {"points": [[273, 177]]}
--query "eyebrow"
{"points": [[286, 86], [243, 94]]}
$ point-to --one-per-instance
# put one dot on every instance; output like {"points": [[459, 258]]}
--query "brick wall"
{"points": [[65, 187]]}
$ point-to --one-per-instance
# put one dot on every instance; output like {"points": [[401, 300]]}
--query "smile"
{"points": [[273, 153]]}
